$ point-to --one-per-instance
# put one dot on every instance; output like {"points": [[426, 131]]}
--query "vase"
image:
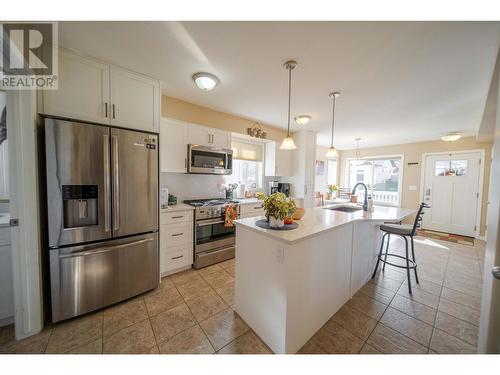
{"points": [[276, 223]]}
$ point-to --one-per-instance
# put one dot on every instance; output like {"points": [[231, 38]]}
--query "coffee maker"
{"points": [[284, 187], [273, 187]]}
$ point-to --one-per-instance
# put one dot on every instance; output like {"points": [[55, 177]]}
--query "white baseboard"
{"points": [[6, 321]]}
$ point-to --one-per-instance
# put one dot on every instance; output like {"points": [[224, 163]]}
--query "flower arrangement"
{"points": [[332, 188], [277, 207]]}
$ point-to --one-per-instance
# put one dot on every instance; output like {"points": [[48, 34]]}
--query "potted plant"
{"points": [[332, 190], [277, 207]]}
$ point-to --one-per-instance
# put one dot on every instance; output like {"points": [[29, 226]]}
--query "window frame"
{"points": [[244, 139], [379, 157]]}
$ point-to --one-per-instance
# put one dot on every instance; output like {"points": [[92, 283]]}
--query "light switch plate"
{"points": [[412, 188]]}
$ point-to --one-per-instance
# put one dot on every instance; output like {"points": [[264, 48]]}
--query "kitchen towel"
{"points": [[231, 214]]}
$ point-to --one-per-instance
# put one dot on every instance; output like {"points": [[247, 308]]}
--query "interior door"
{"points": [[451, 187], [134, 160], [135, 101]]}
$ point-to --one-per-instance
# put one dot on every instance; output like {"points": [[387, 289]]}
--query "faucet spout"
{"points": [[365, 204]]}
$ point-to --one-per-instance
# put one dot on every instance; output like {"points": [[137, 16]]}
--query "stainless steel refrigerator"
{"points": [[102, 215]]}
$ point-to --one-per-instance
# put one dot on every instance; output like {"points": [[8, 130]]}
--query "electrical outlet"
{"points": [[280, 255], [412, 188]]}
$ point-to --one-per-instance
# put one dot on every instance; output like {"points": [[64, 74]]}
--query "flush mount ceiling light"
{"points": [[288, 143], [451, 137], [205, 81], [332, 152], [303, 119]]}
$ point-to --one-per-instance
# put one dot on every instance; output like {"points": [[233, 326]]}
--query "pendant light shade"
{"points": [[288, 143], [332, 152]]}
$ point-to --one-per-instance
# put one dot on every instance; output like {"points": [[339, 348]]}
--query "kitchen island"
{"points": [[290, 283]]}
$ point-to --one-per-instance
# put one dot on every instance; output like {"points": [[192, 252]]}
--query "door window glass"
{"points": [[450, 168]]}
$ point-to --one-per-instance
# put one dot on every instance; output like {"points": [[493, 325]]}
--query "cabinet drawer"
{"points": [[4, 236], [176, 217], [176, 234], [252, 209], [176, 257]]}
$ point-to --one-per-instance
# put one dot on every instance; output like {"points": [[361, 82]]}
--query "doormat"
{"points": [[446, 237]]}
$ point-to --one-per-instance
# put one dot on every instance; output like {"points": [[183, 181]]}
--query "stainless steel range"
{"points": [[213, 241]]}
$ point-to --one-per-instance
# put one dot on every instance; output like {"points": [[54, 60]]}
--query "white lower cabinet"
{"points": [[176, 241], [6, 291], [251, 210]]}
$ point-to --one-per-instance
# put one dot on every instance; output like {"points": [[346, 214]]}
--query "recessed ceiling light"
{"points": [[451, 137], [205, 81], [302, 119]]}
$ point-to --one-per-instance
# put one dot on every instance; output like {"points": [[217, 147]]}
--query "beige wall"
{"points": [[189, 112], [411, 173]]}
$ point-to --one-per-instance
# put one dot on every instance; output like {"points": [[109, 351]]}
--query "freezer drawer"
{"points": [[86, 278]]}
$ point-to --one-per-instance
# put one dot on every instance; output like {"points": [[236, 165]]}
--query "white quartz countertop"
{"points": [[4, 220], [247, 200], [177, 207], [318, 219]]}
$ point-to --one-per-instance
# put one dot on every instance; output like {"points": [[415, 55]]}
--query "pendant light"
{"points": [[288, 143], [332, 152]]}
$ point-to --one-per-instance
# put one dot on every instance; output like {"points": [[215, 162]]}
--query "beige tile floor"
{"points": [[192, 312]]}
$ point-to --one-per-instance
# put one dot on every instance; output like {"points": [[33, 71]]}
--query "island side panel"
{"points": [[260, 294], [318, 283], [365, 248]]}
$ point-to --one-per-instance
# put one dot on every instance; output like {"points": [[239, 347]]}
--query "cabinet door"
{"points": [[278, 162], [221, 138], [173, 146], [6, 291], [83, 92], [199, 135], [135, 101]]}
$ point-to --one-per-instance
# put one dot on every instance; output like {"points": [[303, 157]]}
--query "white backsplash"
{"points": [[193, 186]]}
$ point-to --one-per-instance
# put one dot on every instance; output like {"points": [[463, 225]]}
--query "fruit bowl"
{"points": [[299, 213]]}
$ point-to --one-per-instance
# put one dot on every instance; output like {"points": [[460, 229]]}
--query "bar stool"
{"points": [[403, 231]]}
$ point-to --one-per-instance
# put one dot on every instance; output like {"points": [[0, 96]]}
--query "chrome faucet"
{"points": [[365, 204]]}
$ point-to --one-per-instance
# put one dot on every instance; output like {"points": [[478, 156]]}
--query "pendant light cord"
{"points": [[333, 119], [289, 97]]}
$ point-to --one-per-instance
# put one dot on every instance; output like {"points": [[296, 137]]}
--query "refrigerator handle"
{"points": [[116, 185], [104, 249], [107, 188]]}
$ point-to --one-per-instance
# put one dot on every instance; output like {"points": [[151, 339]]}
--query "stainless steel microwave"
{"points": [[209, 160]]}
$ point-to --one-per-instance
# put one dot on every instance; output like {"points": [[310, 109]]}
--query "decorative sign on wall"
{"points": [[256, 131]]}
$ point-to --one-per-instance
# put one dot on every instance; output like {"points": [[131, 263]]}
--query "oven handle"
{"points": [[205, 223]]}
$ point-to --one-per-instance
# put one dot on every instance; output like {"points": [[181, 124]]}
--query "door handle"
{"points": [[104, 249], [107, 189], [116, 187], [496, 272]]}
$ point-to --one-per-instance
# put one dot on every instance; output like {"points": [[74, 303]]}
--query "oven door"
{"points": [[212, 234], [209, 160]]}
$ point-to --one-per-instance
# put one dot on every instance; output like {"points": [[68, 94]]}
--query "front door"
{"points": [[451, 187]]}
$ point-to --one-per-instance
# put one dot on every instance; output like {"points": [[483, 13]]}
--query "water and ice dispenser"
{"points": [[80, 205]]}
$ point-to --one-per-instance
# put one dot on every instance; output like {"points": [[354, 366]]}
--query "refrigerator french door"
{"points": [[102, 208]]}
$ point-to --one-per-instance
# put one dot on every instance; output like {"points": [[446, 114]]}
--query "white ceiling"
{"points": [[400, 81]]}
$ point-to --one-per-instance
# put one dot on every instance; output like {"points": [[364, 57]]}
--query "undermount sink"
{"points": [[345, 208]]}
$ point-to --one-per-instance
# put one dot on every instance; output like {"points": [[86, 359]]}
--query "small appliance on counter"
{"points": [[284, 187], [273, 187]]}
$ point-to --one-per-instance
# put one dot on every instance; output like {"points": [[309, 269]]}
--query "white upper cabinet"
{"points": [[83, 90], [173, 146], [94, 91], [221, 139], [201, 135], [135, 100], [278, 162]]}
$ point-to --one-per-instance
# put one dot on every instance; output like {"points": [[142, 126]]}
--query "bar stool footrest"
{"points": [[412, 265]]}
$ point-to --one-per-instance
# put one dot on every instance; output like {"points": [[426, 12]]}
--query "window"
{"points": [[450, 168], [381, 176], [331, 172], [247, 164]]}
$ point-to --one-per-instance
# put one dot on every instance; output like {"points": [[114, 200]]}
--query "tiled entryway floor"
{"points": [[192, 312]]}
